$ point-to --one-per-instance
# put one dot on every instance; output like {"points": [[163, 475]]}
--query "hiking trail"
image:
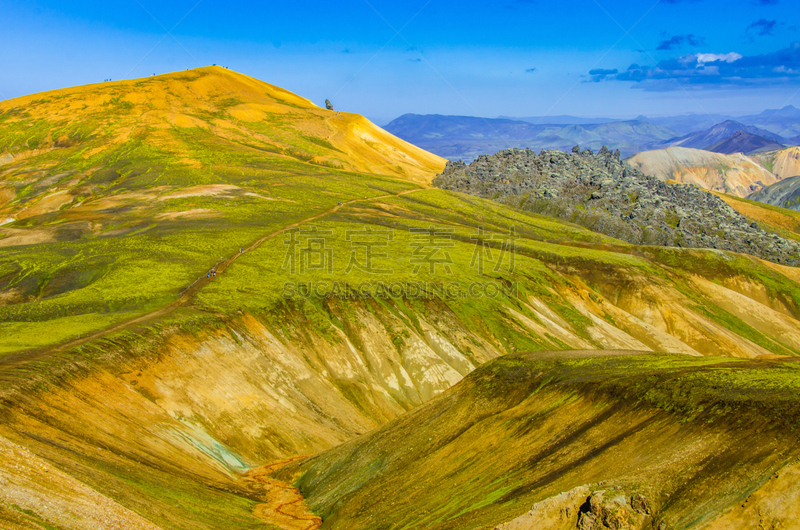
{"points": [[187, 295]]}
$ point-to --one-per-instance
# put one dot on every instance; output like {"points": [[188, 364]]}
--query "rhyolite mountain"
{"points": [[139, 391], [736, 174], [573, 441]]}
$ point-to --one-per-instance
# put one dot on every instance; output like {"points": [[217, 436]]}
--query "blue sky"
{"points": [[386, 58]]}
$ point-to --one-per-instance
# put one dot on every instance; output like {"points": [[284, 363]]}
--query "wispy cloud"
{"points": [[763, 27], [601, 74], [678, 41]]}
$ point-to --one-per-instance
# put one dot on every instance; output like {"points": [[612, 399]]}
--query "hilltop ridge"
{"points": [[214, 100]]}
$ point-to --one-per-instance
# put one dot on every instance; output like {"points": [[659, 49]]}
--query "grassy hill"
{"points": [[131, 378], [117, 196]]}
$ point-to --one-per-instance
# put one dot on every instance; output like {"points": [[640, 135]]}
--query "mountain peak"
{"points": [[745, 142], [789, 111]]}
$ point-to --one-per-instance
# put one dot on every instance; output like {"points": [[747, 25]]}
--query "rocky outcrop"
{"points": [[584, 509], [560, 512], [604, 194], [602, 511]]}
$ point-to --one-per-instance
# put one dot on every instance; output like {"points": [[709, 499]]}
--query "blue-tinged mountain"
{"points": [[466, 137], [744, 142], [709, 137]]}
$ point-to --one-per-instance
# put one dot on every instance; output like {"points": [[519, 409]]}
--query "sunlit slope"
{"points": [[781, 221], [784, 163], [527, 440], [215, 100], [735, 174]]}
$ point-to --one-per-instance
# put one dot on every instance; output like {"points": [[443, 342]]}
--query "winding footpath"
{"points": [[188, 294]]}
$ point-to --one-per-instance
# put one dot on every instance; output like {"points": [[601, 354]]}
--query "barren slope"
{"points": [[784, 163]]}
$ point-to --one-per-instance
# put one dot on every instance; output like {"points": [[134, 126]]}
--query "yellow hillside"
{"points": [[780, 220], [784, 163], [223, 103]]}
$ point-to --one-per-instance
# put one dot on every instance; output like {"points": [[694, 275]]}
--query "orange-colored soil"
{"points": [[283, 504]]}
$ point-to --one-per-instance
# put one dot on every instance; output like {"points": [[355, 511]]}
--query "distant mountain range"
{"points": [[785, 121], [689, 123], [467, 137], [564, 120]]}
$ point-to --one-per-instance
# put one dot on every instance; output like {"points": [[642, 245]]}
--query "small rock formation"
{"points": [[328, 104], [606, 195], [560, 512], [582, 509], [639, 504]]}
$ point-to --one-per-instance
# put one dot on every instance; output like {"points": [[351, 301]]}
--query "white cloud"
{"points": [[713, 57]]}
